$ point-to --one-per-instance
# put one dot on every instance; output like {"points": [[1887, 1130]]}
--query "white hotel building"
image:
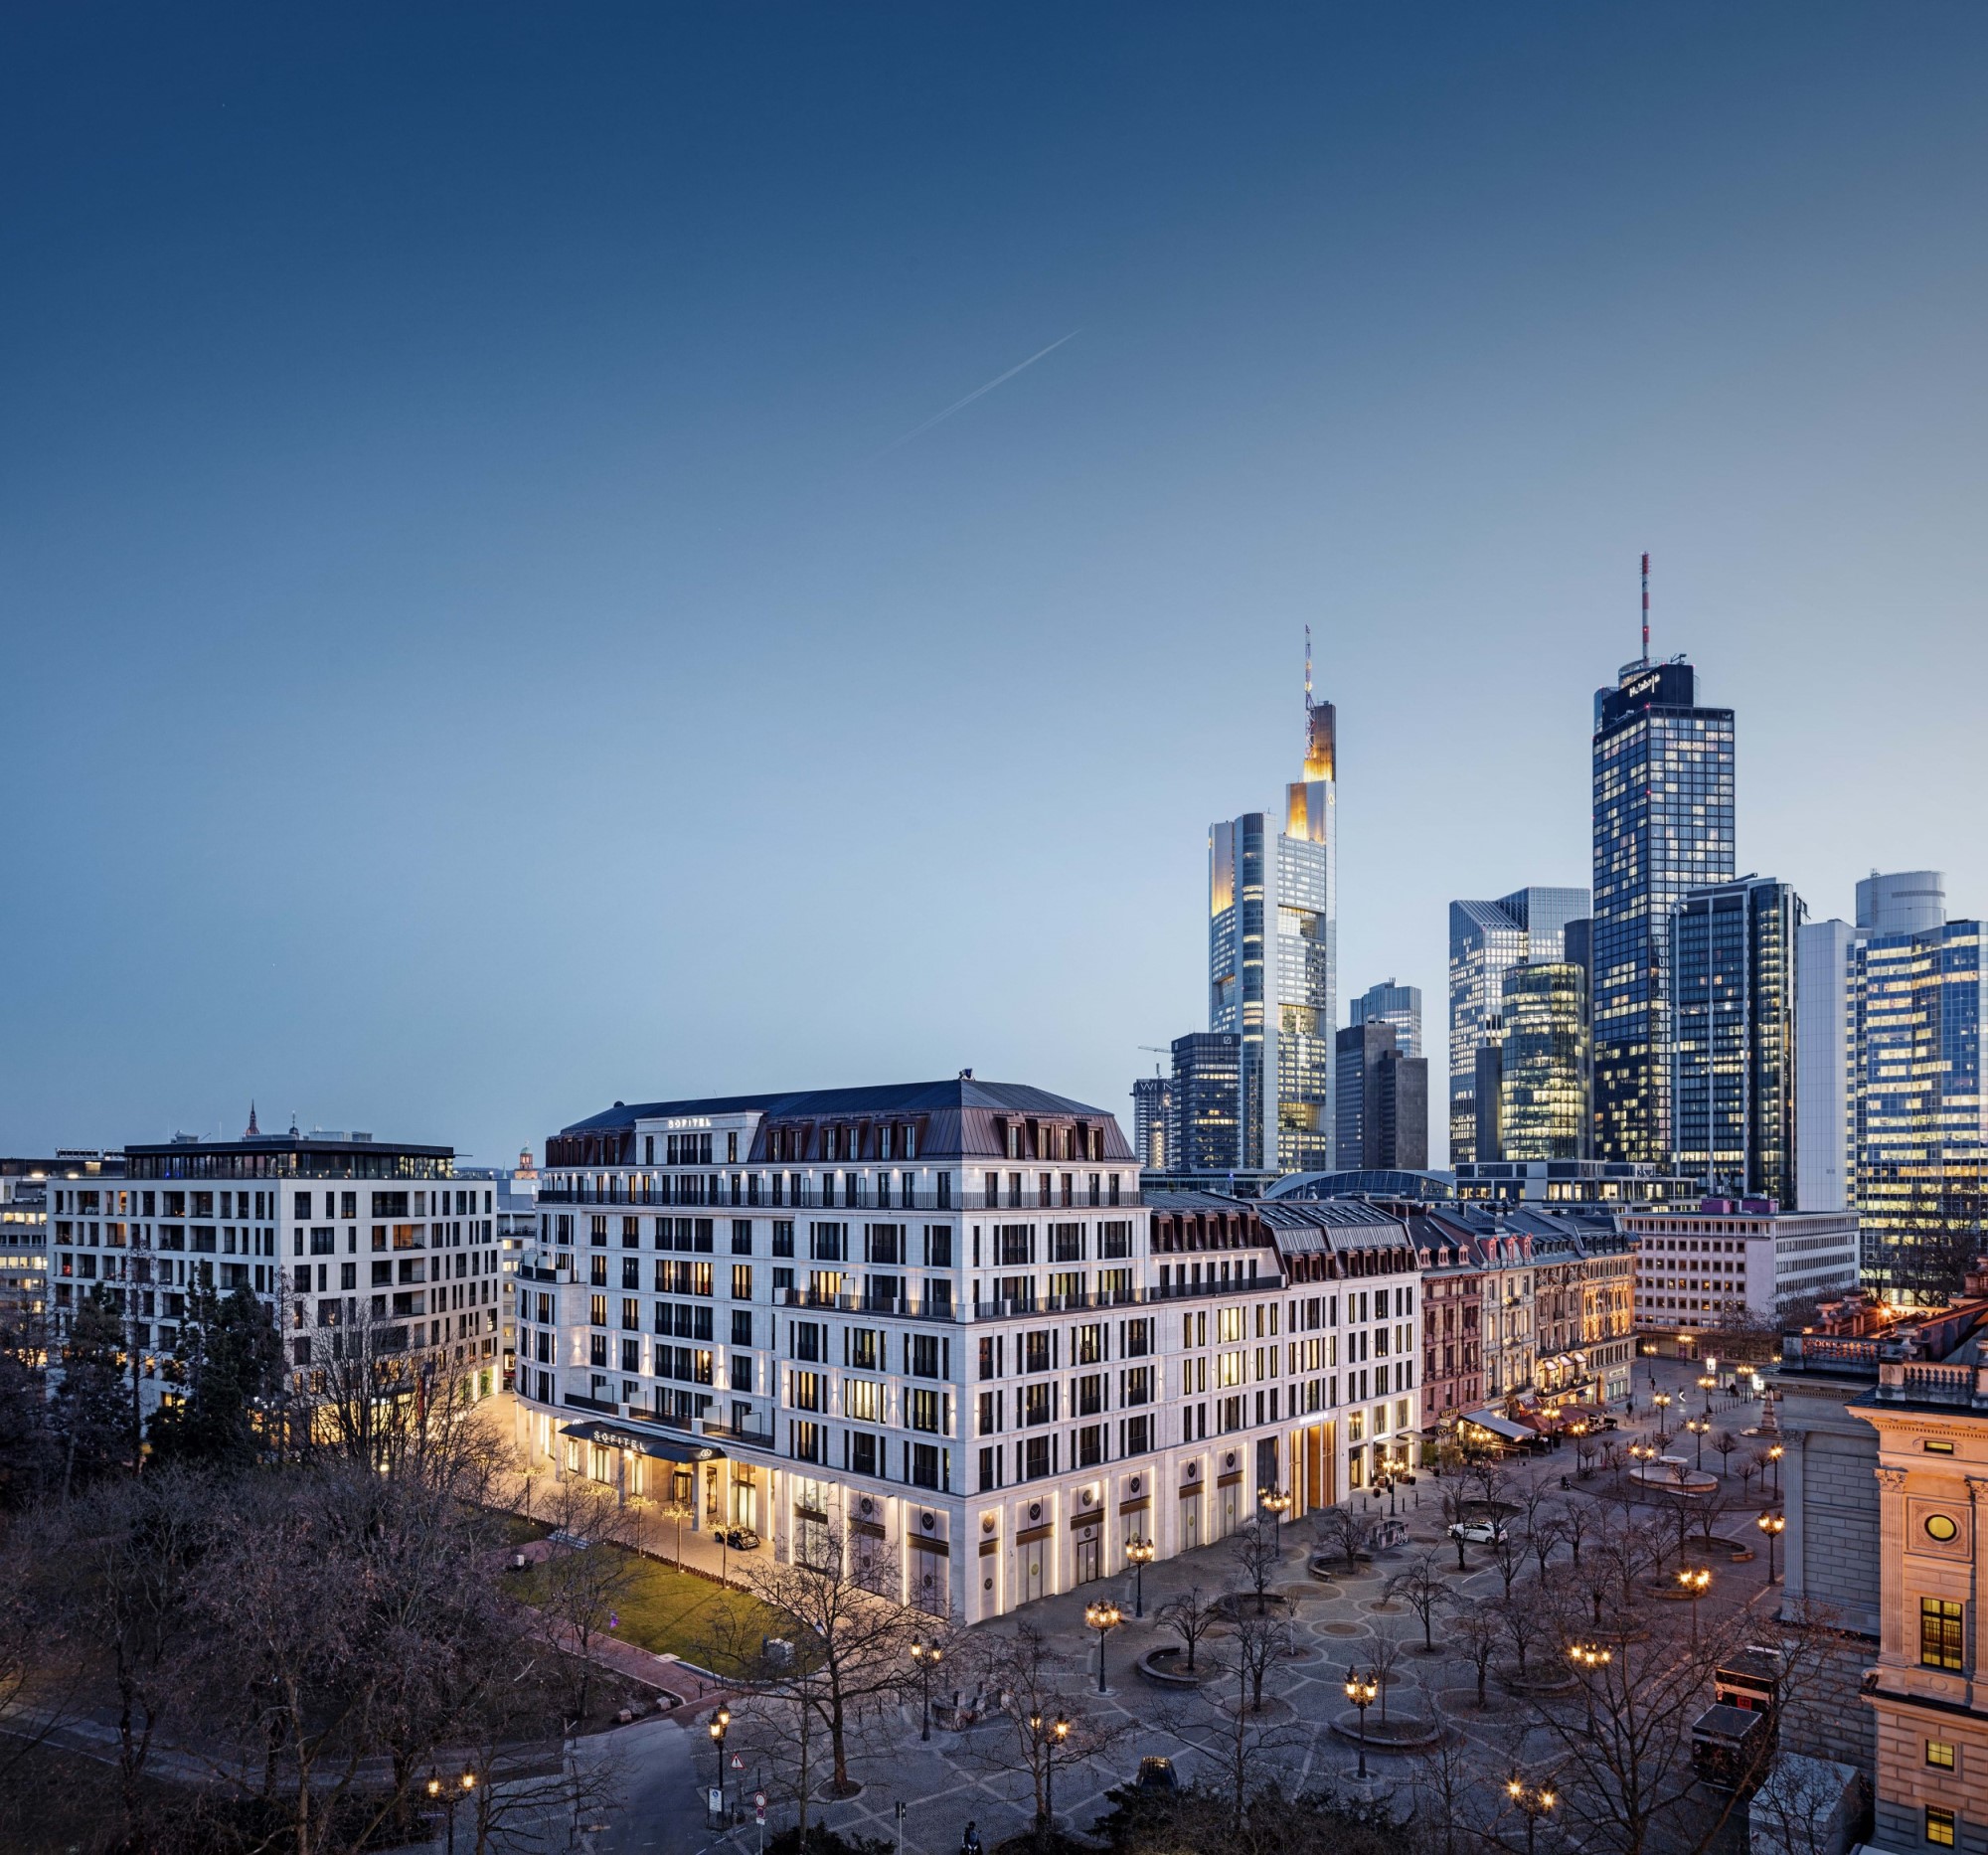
{"points": [[339, 1234], [941, 1321]]}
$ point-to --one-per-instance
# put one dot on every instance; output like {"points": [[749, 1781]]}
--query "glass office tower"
{"points": [[1921, 1137], [1732, 1038], [1274, 957], [1663, 826], [1543, 1072], [1399, 1005], [1486, 938], [1204, 1125]]}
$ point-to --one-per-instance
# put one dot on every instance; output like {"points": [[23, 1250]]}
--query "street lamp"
{"points": [[1276, 1507], [1663, 1402], [1102, 1618], [450, 1797], [1363, 1691], [1772, 1525], [1707, 1384], [1049, 1741], [1535, 1801], [1774, 1453], [1696, 1580], [1589, 1658], [927, 1655], [1141, 1553], [1699, 1425], [719, 1722]]}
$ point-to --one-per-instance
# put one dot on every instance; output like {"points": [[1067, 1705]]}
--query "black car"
{"points": [[740, 1539], [1157, 1774]]}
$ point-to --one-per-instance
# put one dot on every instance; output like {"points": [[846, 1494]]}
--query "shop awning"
{"points": [[665, 1445], [1500, 1425]]}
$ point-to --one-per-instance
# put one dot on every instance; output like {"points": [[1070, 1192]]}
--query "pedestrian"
{"points": [[969, 1843], [1563, 1482]]}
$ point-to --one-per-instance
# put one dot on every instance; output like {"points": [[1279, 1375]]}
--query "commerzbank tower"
{"points": [[1273, 958]]}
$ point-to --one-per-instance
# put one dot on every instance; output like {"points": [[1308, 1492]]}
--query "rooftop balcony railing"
{"points": [[716, 1192]]}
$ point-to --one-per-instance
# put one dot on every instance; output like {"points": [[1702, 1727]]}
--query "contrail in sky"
{"points": [[961, 404]]}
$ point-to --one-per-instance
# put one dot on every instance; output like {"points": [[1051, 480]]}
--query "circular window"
{"points": [[1942, 1527]]}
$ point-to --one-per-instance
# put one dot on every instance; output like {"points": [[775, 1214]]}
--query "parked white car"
{"points": [[1478, 1532]]}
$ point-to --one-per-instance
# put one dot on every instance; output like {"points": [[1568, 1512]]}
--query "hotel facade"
{"points": [[942, 1323]]}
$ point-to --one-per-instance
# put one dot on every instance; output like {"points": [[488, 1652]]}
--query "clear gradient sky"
{"points": [[476, 646]]}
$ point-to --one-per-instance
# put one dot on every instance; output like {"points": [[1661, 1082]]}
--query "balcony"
{"points": [[744, 1436], [901, 1307], [808, 1195], [1916, 1381]]}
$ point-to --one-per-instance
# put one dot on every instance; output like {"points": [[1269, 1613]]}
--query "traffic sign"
{"points": [[738, 1761], [759, 1799]]}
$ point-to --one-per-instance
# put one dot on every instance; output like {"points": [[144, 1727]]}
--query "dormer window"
{"points": [[910, 1142]]}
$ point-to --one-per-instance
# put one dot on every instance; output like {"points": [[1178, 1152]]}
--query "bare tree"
{"points": [[1508, 1548], [1528, 1619], [676, 1510], [852, 1650], [1586, 1449], [582, 1580], [1420, 1587], [1384, 1658], [1256, 1551], [1047, 1730], [1478, 1630], [1344, 1533], [1190, 1616], [1725, 1443], [1576, 1522], [1544, 1537], [1259, 1641]]}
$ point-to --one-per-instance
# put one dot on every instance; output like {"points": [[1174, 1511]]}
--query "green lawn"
{"points": [[670, 1612]]}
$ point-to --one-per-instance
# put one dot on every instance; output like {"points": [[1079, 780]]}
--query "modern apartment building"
{"points": [[348, 1240], [1273, 959], [1663, 826], [1726, 1261], [1383, 1100], [1399, 1005], [1485, 939], [941, 1321], [1734, 1016]]}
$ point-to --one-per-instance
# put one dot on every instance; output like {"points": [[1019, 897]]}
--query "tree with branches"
{"points": [[1345, 1534], [1191, 1617], [1725, 1443], [1478, 1630], [852, 1648], [1424, 1591], [1259, 1642], [1256, 1551], [1046, 1729]]}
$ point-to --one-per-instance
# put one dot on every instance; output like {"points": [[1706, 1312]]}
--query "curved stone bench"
{"points": [[1165, 1668], [1393, 1736]]}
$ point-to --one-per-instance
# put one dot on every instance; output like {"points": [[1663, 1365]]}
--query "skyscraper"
{"points": [[1383, 1100], [1919, 991], [1825, 1163], [1663, 826], [1204, 1133], [1272, 946], [1543, 1064], [1399, 1005], [1732, 1038], [1485, 938], [1152, 1111]]}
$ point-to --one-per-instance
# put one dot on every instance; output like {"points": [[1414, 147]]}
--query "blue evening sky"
{"points": [[477, 648]]}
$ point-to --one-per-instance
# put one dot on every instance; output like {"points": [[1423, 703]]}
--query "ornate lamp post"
{"points": [[1772, 1525], [719, 1722], [449, 1797], [1363, 1691], [928, 1656], [1699, 1425], [1102, 1618], [1533, 1801], [1663, 1402], [1697, 1580], [1141, 1553], [1774, 1453], [1049, 1737], [1589, 1658], [1708, 1383], [1276, 1507]]}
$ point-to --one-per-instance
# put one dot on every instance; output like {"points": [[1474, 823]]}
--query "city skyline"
{"points": [[439, 566]]}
